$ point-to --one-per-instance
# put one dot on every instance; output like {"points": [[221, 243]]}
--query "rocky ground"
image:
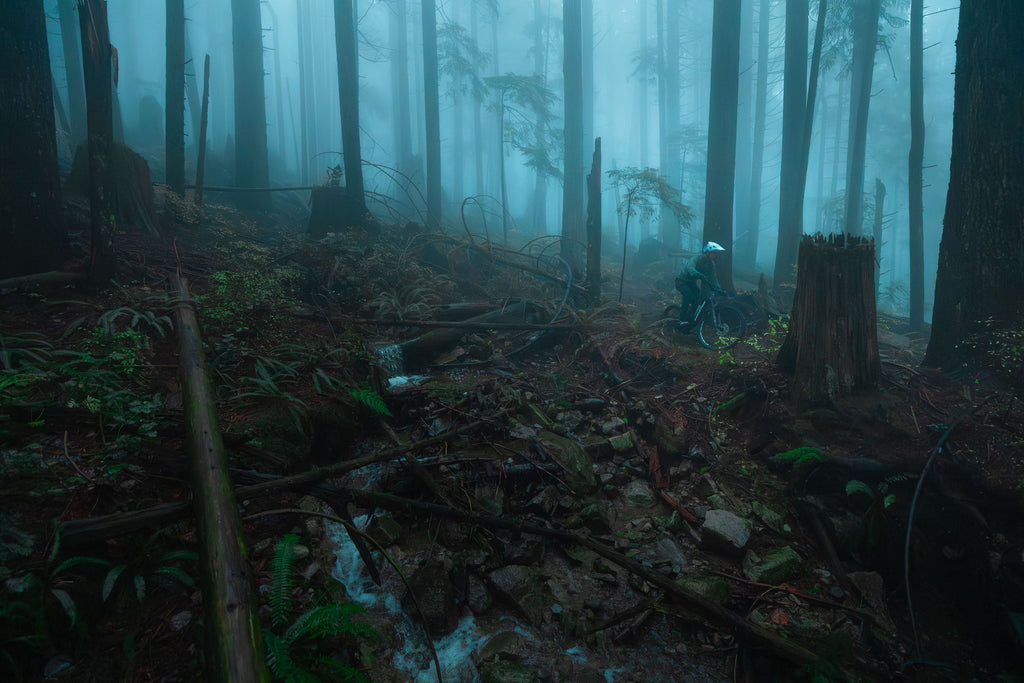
{"points": [[594, 502]]}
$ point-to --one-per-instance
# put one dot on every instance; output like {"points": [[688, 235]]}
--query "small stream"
{"points": [[454, 651]]}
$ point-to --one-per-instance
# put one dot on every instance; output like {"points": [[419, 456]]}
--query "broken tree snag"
{"points": [[831, 348], [233, 644], [594, 227], [333, 210]]}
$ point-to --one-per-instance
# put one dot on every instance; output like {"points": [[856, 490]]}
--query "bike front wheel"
{"points": [[722, 329]]}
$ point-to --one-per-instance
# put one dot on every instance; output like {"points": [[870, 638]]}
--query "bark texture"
{"points": [[233, 647], [981, 256], [30, 227], [572, 191], [831, 348], [174, 91], [251, 165], [432, 101], [721, 172], [348, 96]]}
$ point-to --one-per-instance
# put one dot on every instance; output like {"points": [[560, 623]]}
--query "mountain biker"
{"points": [[700, 273]]}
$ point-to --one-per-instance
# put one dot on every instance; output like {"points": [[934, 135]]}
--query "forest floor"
{"points": [[596, 502]]}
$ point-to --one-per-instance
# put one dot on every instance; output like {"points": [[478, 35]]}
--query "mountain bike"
{"points": [[718, 326]]}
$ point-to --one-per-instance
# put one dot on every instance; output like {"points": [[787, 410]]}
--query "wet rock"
{"points": [[523, 587], [621, 443], [726, 532], [770, 517], [776, 567], [385, 529], [502, 645], [598, 448], [544, 503], [638, 494], [436, 596], [667, 549], [524, 550], [570, 455], [713, 588], [507, 672], [597, 517], [613, 425], [477, 596]]}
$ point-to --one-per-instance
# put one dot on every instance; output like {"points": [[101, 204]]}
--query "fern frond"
{"points": [[282, 580], [372, 400]]}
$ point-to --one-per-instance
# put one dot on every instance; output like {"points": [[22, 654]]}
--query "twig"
{"points": [[910, 518], [75, 464]]}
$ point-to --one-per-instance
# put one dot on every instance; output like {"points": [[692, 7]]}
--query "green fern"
{"points": [[372, 400], [295, 656], [802, 455], [282, 580]]}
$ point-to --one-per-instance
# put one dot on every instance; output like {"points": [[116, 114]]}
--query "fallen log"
{"points": [[233, 641], [417, 351]]}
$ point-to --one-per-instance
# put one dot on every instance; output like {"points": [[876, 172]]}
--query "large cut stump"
{"points": [[132, 196], [832, 344], [333, 210]]}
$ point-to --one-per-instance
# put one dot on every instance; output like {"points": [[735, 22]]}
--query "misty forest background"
{"points": [[646, 85]]}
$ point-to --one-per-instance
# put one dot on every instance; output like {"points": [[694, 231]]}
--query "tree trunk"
{"points": [[348, 96], [721, 172], [71, 45], [204, 115], [877, 229], [433, 111], [744, 127], [671, 147], [96, 62], [831, 348], [587, 38], [540, 192], [305, 75], [251, 165], [31, 229], [865, 40], [915, 182], [233, 644], [192, 94], [750, 228], [794, 109], [572, 190], [979, 287], [174, 100], [478, 129], [594, 227]]}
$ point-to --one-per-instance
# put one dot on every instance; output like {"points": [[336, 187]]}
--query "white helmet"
{"points": [[713, 246]]}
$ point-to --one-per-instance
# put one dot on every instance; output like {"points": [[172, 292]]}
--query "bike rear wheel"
{"points": [[726, 332]]}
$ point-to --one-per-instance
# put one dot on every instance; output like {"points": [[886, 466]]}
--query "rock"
{"points": [[621, 443], [436, 596], [524, 550], [777, 567], [713, 588], [638, 494], [596, 516], [770, 517], [613, 425], [668, 550], [523, 587], [724, 531], [502, 645], [477, 596], [570, 455], [544, 503], [507, 672]]}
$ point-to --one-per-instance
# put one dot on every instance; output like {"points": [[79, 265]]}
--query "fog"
{"points": [[625, 107]]}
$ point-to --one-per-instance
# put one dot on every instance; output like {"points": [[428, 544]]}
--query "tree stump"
{"points": [[831, 348], [334, 209]]}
